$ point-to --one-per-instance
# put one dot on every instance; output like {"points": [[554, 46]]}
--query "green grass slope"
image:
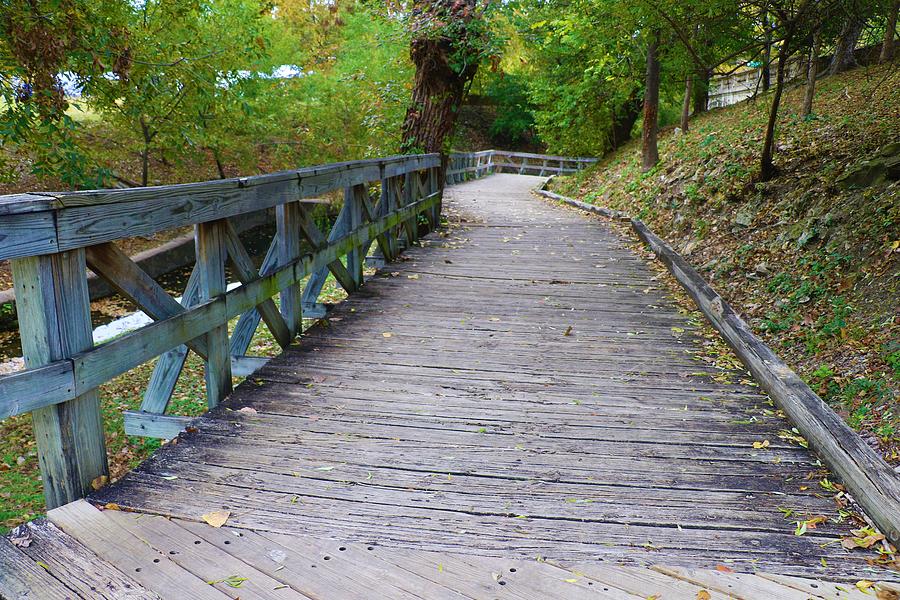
{"points": [[813, 266]]}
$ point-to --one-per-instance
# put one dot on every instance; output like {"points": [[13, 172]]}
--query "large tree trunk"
{"points": [[890, 29], [623, 121], [686, 104], [649, 148], [811, 72], [767, 165], [701, 94], [844, 58], [441, 42]]}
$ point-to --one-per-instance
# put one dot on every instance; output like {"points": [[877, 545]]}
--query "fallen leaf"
{"points": [[864, 584], [217, 518], [99, 482], [387, 334], [568, 330], [414, 276], [761, 445], [703, 595], [20, 537], [248, 410], [724, 569], [111, 506]]}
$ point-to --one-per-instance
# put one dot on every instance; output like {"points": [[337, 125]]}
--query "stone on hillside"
{"points": [[885, 166], [745, 216]]}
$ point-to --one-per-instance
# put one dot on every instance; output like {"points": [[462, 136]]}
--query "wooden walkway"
{"points": [[512, 411]]}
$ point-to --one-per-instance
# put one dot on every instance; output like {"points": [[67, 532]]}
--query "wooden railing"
{"points": [[52, 239], [473, 165]]}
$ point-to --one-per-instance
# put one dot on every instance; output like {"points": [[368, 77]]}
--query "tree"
{"points": [[649, 148], [449, 38], [890, 32], [844, 57], [812, 69]]}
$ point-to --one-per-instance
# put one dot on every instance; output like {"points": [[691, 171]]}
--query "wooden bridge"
{"points": [[512, 408]]}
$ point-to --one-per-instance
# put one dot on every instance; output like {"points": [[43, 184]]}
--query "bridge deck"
{"points": [[519, 387]]}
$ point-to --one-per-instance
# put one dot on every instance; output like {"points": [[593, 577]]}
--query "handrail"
{"points": [[468, 165], [52, 238]]}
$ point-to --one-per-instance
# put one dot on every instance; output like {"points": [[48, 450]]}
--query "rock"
{"points": [[677, 131], [885, 166], [892, 149], [745, 216], [763, 269], [805, 237]]}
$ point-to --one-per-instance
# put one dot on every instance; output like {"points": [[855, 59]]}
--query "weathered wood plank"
{"points": [[22, 578], [156, 571], [246, 272], [36, 388], [131, 281], [211, 257], [289, 218], [27, 234], [79, 568], [55, 323], [868, 477]]}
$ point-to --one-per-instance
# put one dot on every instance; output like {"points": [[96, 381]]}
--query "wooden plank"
{"points": [[204, 560], [156, 571], [80, 220], [55, 323], [300, 561], [170, 364], [211, 256], [27, 234], [289, 218], [247, 272], [79, 568], [318, 241], [36, 388], [244, 366], [21, 577], [353, 199], [819, 589], [865, 473], [737, 585], [131, 281], [249, 320], [644, 582], [144, 424]]}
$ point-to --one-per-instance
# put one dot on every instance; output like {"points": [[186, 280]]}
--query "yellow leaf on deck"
{"points": [[387, 334], [761, 445], [111, 506], [217, 518], [703, 595], [864, 584]]}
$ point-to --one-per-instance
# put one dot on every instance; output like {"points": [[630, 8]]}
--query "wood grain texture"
{"points": [[55, 324], [490, 395]]}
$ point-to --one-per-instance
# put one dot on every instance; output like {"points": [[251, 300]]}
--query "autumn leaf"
{"points": [[387, 334], [216, 518], [761, 445], [703, 595], [724, 569]]}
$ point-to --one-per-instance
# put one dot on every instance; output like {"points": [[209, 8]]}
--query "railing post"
{"points": [[353, 199], [54, 323], [211, 256], [287, 220]]}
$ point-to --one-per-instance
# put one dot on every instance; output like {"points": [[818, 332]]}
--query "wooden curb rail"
{"points": [[870, 480]]}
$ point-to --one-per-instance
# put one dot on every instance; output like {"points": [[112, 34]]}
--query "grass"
{"points": [[21, 495], [814, 267]]}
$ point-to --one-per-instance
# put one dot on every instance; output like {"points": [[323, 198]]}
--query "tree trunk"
{"points": [[701, 93], [624, 120], [218, 160], [686, 104], [145, 153], [844, 58], [811, 72], [767, 165], [649, 149], [767, 54], [890, 28], [440, 84]]}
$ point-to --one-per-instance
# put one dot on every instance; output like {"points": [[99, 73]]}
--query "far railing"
{"points": [[472, 165], [52, 238]]}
